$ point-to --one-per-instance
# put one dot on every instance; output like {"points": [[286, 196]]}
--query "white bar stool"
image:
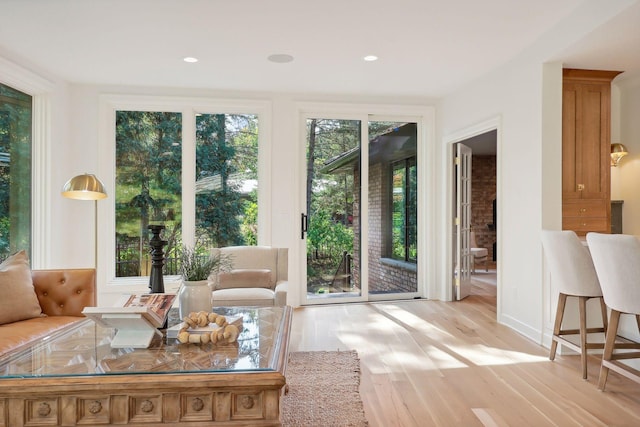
{"points": [[573, 274], [617, 261]]}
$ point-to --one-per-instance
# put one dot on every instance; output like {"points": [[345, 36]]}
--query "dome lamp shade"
{"points": [[84, 187]]}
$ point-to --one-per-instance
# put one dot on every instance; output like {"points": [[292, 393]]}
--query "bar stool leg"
{"points": [[603, 309], [612, 331], [562, 302], [583, 335]]}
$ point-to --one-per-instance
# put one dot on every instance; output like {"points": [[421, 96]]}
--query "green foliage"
{"points": [[330, 197], [250, 222], [398, 249], [15, 170], [149, 187], [242, 132], [326, 234], [148, 178], [5, 249], [196, 263], [219, 207], [332, 193]]}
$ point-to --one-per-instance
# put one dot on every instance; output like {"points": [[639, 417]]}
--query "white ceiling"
{"points": [[426, 47], [613, 46]]}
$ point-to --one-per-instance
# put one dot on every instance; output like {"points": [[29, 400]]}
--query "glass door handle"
{"points": [[304, 225]]}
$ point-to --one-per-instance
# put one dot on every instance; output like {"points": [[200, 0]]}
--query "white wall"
{"points": [[626, 176], [526, 94], [514, 95]]}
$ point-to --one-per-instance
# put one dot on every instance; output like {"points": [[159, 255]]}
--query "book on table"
{"points": [[136, 318]]}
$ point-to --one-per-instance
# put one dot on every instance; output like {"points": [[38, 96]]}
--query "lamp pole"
{"points": [[87, 187]]}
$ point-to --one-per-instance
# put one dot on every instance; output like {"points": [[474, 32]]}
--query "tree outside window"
{"points": [[149, 162], [15, 171], [227, 178]]}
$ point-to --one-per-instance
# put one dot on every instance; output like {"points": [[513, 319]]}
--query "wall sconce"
{"points": [[618, 151]]}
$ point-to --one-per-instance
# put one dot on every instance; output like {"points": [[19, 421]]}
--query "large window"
{"points": [[404, 185], [15, 171], [148, 185], [152, 153], [227, 179]]}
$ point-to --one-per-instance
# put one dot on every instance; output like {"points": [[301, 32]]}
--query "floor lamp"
{"points": [[87, 187]]}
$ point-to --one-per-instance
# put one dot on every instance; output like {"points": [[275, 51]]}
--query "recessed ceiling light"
{"points": [[370, 58], [190, 59], [280, 58]]}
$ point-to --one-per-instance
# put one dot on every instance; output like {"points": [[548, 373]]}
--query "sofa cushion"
{"points": [[19, 300], [13, 336], [245, 278], [65, 292], [249, 297]]}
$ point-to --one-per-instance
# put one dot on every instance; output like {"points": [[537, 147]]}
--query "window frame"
{"points": [[403, 164], [188, 107], [19, 173], [40, 91]]}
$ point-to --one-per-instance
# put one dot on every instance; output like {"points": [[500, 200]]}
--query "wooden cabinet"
{"points": [[584, 215], [586, 146]]}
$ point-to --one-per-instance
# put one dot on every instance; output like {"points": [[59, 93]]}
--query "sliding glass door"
{"points": [[393, 209], [331, 220], [351, 164]]}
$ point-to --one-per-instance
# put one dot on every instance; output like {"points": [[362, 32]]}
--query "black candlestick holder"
{"points": [[156, 281]]}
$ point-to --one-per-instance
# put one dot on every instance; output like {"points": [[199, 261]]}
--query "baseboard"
{"points": [[522, 328]]}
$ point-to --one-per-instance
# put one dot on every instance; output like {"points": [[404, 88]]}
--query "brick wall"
{"points": [[483, 191], [383, 277]]}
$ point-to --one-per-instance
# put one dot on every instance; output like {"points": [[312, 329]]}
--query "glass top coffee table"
{"points": [[75, 377]]}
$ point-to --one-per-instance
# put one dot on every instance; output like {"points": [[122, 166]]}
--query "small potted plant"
{"points": [[197, 264]]}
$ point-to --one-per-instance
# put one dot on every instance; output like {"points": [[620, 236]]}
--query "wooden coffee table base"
{"points": [[224, 399]]}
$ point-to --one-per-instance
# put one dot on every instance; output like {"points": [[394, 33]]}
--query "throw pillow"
{"points": [[245, 278], [18, 297]]}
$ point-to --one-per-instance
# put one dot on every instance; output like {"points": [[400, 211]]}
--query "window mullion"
{"points": [[188, 176], [407, 208]]}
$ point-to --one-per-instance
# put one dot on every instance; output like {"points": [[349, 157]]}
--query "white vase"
{"points": [[194, 296]]}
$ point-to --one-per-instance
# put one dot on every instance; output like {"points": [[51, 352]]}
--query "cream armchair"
{"points": [[258, 277], [479, 254]]}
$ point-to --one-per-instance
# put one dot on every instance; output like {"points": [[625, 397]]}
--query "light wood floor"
{"points": [[431, 363]]}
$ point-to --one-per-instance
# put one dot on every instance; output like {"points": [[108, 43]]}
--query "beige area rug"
{"points": [[323, 390]]}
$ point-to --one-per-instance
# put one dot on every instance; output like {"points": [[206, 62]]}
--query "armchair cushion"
{"points": [[258, 297], [245, 278], [18, 297], [258, 277], [281, 293]]}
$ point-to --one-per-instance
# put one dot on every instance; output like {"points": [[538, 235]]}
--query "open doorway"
{"points": [[475, 231]]}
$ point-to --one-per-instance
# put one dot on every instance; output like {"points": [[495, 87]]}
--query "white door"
{"points": [[463, 222]]}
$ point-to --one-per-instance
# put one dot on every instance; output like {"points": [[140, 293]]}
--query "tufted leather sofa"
{"points": [[62, 295]]}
